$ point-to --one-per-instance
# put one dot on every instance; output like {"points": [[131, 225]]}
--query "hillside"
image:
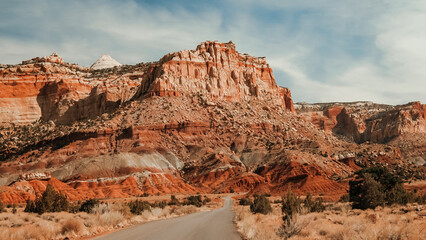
{"points": [[209, 120]]}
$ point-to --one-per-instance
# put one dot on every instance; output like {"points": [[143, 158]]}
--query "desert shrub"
{"points": [[159, 204], [291, 226], [344, 198], [88, 205], [313, 205], [194, 200], [370, 194], [1, 206], [291, 205], [110, 217], [376, 186], [137, 206], [420, 199], [399, 195], [245, 201], [30, 207], [72, 225], [74, 207], [50, 201], [188, 209], [206, 200], [174, 200], [261, 204]]}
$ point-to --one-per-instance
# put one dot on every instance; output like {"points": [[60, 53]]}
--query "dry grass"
{"points": [[105, 217], [258, 226], [338, 222], [72, 226]]}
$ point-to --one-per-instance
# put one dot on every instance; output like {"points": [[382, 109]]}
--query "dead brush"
{"points": [[292, 226], [72, 226]]}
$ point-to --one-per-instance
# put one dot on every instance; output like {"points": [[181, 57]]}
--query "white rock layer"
{"points": [[106, 61]]}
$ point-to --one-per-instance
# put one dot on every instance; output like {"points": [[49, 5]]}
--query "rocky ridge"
{"points": [[366, 121]]}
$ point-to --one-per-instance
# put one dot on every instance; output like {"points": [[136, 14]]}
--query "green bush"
{"points": [[50, 201], [137, 207], [291, 204], [245, 201], [261, 204], [30, 207], [194, 200], [313, 205], [88, 205], [376, 186], [174, 201], [344, 198], [206, 200], [159, 204], [74, 208], [399, 195]]}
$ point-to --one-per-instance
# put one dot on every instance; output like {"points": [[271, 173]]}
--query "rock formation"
{"points": [[47, 88], [366, 121], [218, 71], [208, 120]]}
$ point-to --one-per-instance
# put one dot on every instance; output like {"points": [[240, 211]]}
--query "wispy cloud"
{"points": [[323, 50]]}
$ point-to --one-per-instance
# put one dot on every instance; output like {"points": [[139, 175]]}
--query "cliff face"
{"points": [[366, 121], [47, 88], [217, 70]]}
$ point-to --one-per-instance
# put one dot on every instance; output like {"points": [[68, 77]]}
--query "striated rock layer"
{"points": [[218, 71], [366, 121], [49, 89], [209, 120]]}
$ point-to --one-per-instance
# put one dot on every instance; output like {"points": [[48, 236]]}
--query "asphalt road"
{"points": [[212, 225]]}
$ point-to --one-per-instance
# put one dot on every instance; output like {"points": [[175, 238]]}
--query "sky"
{"points": [[323, 50]]}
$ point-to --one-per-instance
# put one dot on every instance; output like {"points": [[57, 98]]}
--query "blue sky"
{"points": [[323, 50]]}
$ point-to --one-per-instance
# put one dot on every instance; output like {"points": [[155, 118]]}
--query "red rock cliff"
{"points": [[47, 88], [220, 72], [366, 121]]}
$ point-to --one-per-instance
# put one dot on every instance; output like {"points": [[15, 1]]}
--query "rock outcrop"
{"points": [[366, 121], [217, 70]]}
